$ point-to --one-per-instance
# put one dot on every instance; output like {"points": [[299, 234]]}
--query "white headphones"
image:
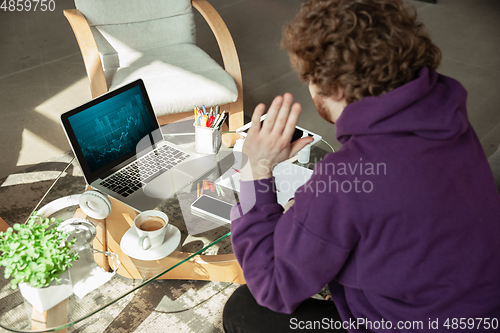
{"points": [[95, 204]]}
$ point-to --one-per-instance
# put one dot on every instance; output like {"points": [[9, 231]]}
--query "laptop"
{"points": [[118, 142]]}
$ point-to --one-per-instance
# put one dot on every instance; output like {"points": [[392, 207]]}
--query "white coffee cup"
{"points": [[151, 226]]}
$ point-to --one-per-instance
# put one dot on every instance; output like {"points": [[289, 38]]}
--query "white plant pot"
{"points": [[46, 298]]}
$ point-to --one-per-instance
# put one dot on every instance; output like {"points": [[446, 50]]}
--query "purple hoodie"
{"points": [[402, 223]]}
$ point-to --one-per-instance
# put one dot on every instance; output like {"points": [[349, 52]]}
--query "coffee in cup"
{"points": [[152, 223], [151, 226]]}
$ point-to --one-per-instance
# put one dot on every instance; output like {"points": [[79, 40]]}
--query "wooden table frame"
{"points": [[224, 268]]}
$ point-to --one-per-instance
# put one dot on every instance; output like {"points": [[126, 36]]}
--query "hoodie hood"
{"points": [[432, 107]]}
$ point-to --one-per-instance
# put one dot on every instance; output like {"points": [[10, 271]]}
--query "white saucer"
{"points": [[130, 245]]}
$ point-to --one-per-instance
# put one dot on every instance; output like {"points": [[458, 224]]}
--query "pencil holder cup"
{"points": [[207, 140]]}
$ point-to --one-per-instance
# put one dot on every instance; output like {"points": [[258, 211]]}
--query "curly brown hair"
{"points": [[365, 47]]}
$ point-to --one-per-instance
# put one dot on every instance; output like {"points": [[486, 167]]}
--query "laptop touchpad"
{"points": [[180, 179], [165, 185], [197, 167]]}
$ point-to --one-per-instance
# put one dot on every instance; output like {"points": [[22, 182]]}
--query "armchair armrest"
{"points": [[89, 51], [3, 225], [224, 39], [229, 57]]}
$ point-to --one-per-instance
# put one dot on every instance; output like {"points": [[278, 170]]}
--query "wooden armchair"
{"points": [[87, 31]]}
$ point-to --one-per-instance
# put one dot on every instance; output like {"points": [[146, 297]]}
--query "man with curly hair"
{"points": [[402, 223]]}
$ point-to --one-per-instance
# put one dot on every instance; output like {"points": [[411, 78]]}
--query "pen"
{"points": [[204, 110], [215, 121], [221, 119], [210, 121]]}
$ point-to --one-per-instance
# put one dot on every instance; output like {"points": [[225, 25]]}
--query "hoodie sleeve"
{"points": [[286, 258]]}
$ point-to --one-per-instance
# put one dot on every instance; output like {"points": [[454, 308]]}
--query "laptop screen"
{"points": [[106, 131]]}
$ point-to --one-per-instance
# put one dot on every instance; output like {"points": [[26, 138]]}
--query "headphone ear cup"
{"points": [[95, 204]]}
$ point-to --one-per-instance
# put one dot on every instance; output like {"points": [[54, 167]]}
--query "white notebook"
{"points": [[288, 177]]}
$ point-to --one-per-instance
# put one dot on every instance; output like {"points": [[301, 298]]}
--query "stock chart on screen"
{"points": [[112, 128]]}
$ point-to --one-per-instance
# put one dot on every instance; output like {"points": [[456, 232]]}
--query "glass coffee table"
{"points": [[203, 253]]}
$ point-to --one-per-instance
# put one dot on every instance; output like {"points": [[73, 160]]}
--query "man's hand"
{"points": [[288, 205], [269, 145]]}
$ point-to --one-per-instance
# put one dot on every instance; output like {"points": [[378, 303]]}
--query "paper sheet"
{"points": [[86, 275], [230, 179], [288, 177]]}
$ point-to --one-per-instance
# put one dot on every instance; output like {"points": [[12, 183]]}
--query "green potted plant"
{"points": [[37, 255]]}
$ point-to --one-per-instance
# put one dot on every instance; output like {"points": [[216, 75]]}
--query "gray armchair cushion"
{"points": [[177, 77], [99, 12], [121, 26]]}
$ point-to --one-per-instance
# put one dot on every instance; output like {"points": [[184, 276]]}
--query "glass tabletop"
{"points": [[204, 251]]}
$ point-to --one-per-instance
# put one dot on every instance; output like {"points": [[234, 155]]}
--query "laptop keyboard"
{"points": [[139, 173]]}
